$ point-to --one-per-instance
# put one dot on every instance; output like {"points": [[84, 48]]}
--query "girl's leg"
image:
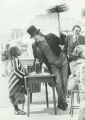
{"points": [[17, 111], [16, 107], [13, 103]]}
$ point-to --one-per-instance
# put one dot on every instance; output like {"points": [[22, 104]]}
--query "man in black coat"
{"points": [[54, 58], [53, 41]]}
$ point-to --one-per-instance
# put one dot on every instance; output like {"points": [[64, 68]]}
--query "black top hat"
{"points": [[32, 30]]}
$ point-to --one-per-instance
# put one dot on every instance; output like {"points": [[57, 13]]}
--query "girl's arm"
{"points": [[18, 68]]}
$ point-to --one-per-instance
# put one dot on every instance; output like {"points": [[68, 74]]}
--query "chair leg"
{"points": [[72, 103], [78, 98], [46, 91], [54, 99]]}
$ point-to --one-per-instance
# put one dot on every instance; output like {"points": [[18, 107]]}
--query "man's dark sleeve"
{"points": [[62, 39], [37, 53], [34, 50], [66, 45], [53, 38]]}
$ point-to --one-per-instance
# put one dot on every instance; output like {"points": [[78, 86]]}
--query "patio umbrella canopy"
{"points": [[58, 9]]}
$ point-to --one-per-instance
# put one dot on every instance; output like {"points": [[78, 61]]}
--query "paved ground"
{"points": [[38, 110]]}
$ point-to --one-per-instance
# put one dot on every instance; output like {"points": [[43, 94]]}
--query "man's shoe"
{"points": [[64, 106], [60, 105]]}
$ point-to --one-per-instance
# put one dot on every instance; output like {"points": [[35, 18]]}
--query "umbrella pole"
{"points": [[59, 25], [59, 22]]}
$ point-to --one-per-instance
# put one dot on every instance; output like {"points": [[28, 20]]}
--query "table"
{"points": [[40, 78]]}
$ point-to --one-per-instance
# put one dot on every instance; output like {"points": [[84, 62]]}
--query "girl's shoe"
{"points": [[22, 111], [19, 112]]}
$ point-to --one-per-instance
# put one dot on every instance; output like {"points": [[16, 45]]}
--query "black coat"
{"points": [[53, 42]]}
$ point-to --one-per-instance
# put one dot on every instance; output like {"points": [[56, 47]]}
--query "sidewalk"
{"points": [[38, 108]]}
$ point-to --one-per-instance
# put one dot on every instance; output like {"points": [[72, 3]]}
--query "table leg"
{"points": [[23, 106], [72, 103], [54, 99], [25, 81], [28, 102], [30, 97], [46, 90]]}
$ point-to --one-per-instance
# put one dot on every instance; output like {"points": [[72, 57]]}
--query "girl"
{"points": [[16, 80]]}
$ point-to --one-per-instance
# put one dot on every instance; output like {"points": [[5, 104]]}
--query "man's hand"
{"points": [[58, 63], [78, 50]]}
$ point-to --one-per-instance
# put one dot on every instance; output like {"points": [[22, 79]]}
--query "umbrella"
{"points": [[58, 9]]}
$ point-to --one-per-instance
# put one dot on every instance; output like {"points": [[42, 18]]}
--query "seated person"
{"points": [[72, 41]]}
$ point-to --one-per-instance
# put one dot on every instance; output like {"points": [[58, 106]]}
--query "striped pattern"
{"points": [[16, 75]]}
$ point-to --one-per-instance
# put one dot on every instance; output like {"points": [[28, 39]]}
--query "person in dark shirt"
{"points": [[56, 59], [71, 42]]}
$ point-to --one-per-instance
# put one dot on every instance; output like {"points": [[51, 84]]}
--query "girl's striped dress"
{"points": [[16, 76]]}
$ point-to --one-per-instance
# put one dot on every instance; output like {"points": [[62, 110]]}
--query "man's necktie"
{"points": [[77, 40]]}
